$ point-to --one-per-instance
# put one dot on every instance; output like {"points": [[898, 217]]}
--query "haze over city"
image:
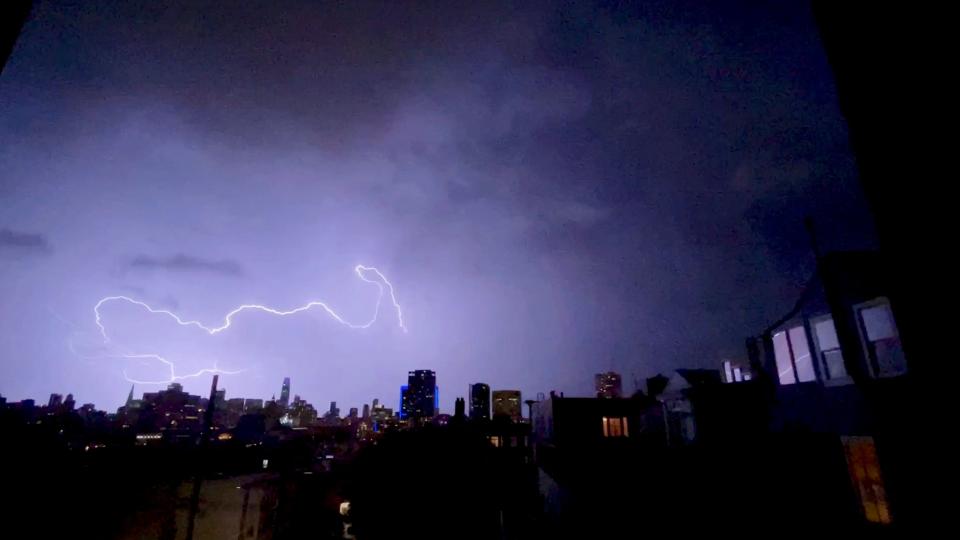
{"points": [[543, 212]]}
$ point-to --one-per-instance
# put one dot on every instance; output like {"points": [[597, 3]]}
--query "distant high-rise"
{"points": [[334, 410], [353, 413], [69, 403], [608, 385], [404, 402], [376, 402], [506, 403], [366, 411], [55, 400], [459, 407], [285, 393], [479, 401], [420, 399]]}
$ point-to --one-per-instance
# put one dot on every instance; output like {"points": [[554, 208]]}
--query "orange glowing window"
{"points": [[864, 470], [615, 427]]}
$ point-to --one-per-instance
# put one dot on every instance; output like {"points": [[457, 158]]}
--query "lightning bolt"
{"points": [[383, 285], [173, 372]]}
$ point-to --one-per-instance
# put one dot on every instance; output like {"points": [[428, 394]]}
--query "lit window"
{"points": [[793, 356], [615, 427], [864, 470], [495, 441], [881, 339], [831, 359]]}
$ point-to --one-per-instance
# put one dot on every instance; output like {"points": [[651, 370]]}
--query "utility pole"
{"points": [[201, 458]]}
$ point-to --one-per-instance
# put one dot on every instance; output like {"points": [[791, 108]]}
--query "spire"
{"points": [[130, 396]]}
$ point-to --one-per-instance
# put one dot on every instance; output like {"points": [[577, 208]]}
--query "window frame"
{"points": [[873, 363], [823, 368], [785, 329]]}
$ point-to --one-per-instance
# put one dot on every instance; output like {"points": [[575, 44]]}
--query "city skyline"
{"points": [[474, 270], [475, 410]]}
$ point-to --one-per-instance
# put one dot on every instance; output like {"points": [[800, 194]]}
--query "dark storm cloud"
{"points": [[635, 174], [188, 263], [23, 241]]}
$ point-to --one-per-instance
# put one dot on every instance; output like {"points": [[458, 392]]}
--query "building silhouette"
{"points": [[403, 405], [507, 404], [479, 401], [285, 393], [419, 397], [171, 411], [231, 412], [55, 401], [608, 385], [252, 405], [302, 413]]}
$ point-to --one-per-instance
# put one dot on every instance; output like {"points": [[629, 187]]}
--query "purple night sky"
{"points": [[552, 192]]}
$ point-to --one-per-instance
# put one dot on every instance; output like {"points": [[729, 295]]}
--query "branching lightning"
{"points": [[173, 373], [383, 285]]}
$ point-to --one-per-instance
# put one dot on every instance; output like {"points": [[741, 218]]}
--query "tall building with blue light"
{"points": [[420, 398]]}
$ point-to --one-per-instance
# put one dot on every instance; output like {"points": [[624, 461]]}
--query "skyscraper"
{"points": [[55, 400], [69, 403], [285, 393], [479, 401], [506, 403], [458, 408], [420, 398], [366, 411], [608, 385]]}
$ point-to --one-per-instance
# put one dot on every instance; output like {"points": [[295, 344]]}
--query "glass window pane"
{"points": [[878, 322], [801, 354], [626, 427], [889, 355], [826, 335], [833, 362], [782, 353]]}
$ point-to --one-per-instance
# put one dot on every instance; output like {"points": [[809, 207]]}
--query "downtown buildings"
{"points": [[608, 385]]}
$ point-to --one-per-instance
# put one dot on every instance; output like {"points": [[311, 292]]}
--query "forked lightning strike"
{"points": [[173, 373], [360, 270]]}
